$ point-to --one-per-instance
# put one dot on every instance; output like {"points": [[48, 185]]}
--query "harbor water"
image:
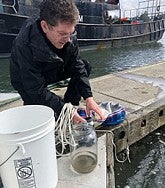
{"points": [[104, 61], [147, 167]]}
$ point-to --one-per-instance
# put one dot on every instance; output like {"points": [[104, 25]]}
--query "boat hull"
{"points": [[6, 41], [94, 36], [93, 30], [119, 35]]}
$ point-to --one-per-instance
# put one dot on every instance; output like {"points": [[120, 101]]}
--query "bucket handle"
{"points": [[18, 147]]}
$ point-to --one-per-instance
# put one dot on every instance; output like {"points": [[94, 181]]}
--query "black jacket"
{"points": [[36, 63]]}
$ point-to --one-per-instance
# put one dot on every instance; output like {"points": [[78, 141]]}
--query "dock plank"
{"points": [[95, 179]]}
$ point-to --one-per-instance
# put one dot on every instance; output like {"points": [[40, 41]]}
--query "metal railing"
{"points": [[151, 8], [12, 6]]}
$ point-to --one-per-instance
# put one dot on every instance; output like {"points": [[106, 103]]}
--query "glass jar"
{"points": [[84, 148]]}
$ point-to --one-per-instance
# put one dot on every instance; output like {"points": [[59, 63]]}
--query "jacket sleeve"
{"points": [[79, 70], [27, 79]]}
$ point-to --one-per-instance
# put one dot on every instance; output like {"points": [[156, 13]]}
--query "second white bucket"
{"points": [[27, 147]]}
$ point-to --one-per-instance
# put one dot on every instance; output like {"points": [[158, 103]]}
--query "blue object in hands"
{"points": [[117, 113]]}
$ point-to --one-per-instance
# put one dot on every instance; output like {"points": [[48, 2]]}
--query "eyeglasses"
{"points": [[64, 35]]}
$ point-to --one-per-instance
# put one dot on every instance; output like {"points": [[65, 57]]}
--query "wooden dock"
{"points": [[142, 92]]}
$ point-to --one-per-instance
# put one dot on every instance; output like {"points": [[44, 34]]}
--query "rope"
{"points": [[63, 128], [115, 148], [127, 148], [63, 132]]}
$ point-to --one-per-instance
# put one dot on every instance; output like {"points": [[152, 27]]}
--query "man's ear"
{"points": [[44, 26]]}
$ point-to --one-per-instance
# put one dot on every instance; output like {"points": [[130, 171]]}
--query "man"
{"points": [[45, 52]]}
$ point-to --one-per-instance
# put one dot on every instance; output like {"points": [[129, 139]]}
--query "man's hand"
{"points": [[91, 105], [77, 118]]}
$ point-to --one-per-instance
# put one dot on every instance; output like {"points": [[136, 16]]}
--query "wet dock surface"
{"points": [[134, 89], [141, 91]]}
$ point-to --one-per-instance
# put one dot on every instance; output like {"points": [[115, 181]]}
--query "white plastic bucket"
{"points": [[27, 147]]}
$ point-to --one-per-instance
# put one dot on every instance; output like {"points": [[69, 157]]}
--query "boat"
{"points": [[101, 23]]}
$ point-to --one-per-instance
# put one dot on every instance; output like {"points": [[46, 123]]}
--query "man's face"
{"points": [[58, 35]]}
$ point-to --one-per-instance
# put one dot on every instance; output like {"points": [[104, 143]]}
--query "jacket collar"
{"points": [[33, 36], [42, 49]]}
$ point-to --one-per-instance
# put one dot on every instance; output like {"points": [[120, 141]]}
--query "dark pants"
{"points": [[72, 94]]}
